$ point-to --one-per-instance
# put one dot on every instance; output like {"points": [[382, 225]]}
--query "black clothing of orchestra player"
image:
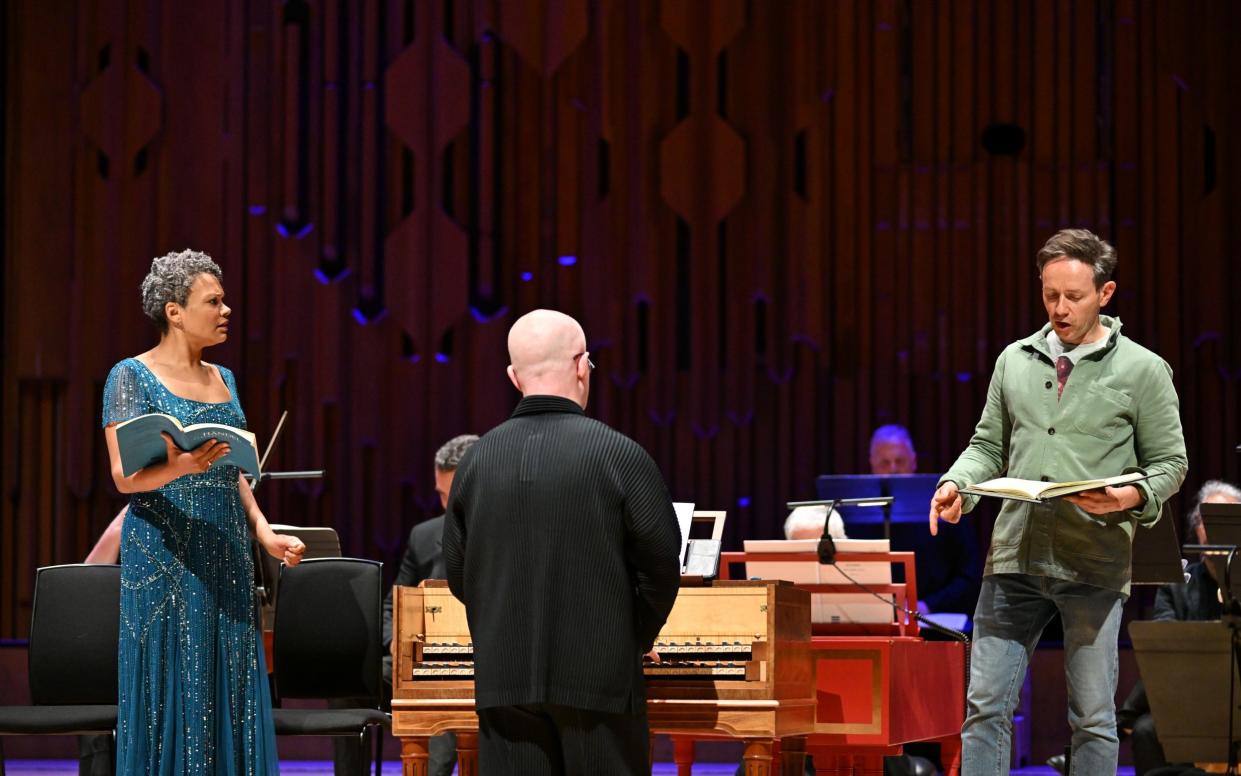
{"points": [[424, 559], [561, 541]]}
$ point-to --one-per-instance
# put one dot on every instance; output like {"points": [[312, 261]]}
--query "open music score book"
{"points": [[141, 445], [833, 608], [1038, 492]]}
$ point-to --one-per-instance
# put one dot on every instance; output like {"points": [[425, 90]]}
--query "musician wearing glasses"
{"points": [[561, 541]]}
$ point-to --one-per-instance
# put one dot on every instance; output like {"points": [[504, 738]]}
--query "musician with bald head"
{"points": [[561, 541]]}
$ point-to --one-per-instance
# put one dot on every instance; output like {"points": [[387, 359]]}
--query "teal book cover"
{"points": [[141, 445]]}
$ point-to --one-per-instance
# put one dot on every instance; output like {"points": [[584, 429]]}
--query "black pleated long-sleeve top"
{"points": [[561, 541]]}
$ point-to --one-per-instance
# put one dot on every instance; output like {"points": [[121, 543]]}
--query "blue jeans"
{"points": [[1012, 611]]}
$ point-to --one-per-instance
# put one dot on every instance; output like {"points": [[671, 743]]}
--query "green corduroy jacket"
{"points": [[1119, 412]]}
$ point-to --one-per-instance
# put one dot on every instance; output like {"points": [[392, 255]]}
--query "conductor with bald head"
{"points": [[561, 541]]}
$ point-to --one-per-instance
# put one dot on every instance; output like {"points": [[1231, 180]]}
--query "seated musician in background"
{"points": [[424, 559], [807, 523], [947, 567], [561, 541], [1198, 598], [892, 451]]}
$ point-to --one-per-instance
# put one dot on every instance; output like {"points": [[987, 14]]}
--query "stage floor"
{"points": [[324, 768]]}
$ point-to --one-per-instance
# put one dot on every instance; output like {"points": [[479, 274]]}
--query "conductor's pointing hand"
{"points": [[945, 505]]}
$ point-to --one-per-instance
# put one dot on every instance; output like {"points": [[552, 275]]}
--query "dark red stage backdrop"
{"points": [[780, 222]]}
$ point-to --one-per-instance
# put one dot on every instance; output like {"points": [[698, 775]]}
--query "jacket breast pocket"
{"points": [[1104, 413]]}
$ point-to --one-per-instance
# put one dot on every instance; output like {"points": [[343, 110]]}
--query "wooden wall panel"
{"points": [[777, 221]]}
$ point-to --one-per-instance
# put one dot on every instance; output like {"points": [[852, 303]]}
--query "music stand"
{"points": [[318, 544], [827, 550], [702, 556], [910, 496], [1223, 526], [830, 487], [1181, 664], [833, 503], [266, 475], [1156, 552], [827, 546]]}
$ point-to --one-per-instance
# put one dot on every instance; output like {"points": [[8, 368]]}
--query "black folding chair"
{"points": [[73, 654], [320, 543], [328, 645]]}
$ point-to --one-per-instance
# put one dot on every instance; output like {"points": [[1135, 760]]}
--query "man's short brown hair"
{"points": [[1084, 246]]}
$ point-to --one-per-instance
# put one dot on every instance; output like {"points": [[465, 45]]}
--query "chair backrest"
{"points": [[320, 541], [74, 634], [327, 640]]}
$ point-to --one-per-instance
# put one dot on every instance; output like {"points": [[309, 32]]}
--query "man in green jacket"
{"points": [[1077, 400]]}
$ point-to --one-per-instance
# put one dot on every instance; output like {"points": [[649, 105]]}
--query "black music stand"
{"points": [[827, 547], [266, 568], [1156, 552], [1223, 527], [255, 482], [1181, 664], [910, 494]]}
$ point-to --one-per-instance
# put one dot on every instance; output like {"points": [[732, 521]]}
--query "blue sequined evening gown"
{"points": [[193, 684]]}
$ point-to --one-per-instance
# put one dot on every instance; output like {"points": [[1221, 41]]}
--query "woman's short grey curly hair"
{"points": [[170, 279]]}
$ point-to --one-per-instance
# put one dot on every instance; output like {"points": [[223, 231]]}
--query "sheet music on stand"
{"points": [[701, 556], [828, 608]]}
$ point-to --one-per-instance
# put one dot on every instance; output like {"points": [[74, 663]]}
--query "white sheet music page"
{"points": [[685, 517], [836, 608]]}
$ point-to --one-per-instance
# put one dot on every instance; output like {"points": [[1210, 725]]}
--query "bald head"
{"points": [[546, 351]]}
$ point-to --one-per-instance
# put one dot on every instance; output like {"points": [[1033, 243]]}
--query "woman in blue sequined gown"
{"points": [[193, 685]]}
